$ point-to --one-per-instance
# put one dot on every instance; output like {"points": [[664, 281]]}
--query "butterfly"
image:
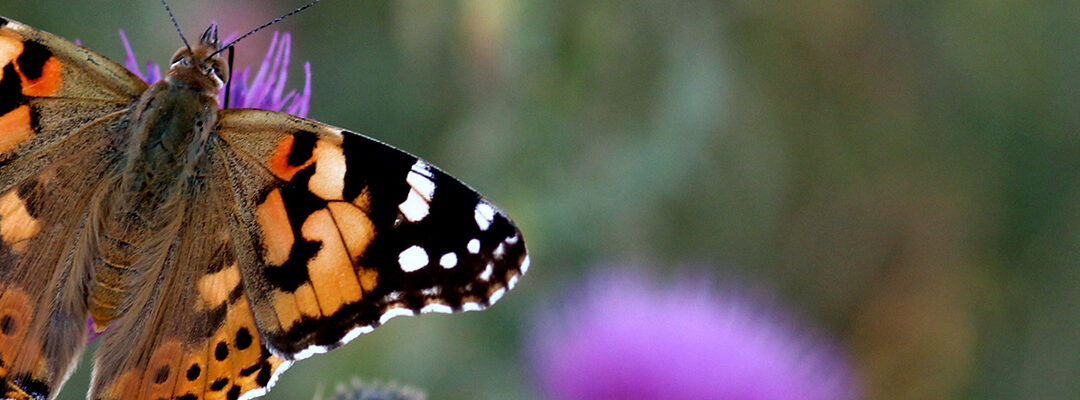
{"points": [[210, 248]]}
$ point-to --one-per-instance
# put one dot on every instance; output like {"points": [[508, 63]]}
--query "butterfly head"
{"points": [[200, 65]]}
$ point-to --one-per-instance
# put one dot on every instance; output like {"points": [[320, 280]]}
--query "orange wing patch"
{"points": [[214, 288], [342, 231], [15, 128], [331, 270], [16, 315], [47, 83], [39, 71], [277, 232], [233, 361], [17, 226], [284, 162], [10, 47], [291, 307], [328, 182]]}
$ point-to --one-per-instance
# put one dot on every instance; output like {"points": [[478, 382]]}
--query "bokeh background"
{"points": [[903, 175]]}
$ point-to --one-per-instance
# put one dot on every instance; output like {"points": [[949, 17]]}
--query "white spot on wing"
{"points": [[421, 179], [413, 258], [499, 251], [355, 333], [488, 270], [436, 308], [484, 214], [474, 246], [430, 292], [448, 260], [470, 306], [393, 313], [310, 351], [525, 265], [252, 394], [496, 295], [512, 282], [259, 392], [512, 240], [414, 208], [417, 204]]}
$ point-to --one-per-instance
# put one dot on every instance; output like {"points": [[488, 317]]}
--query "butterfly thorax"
{"points": [[166, 146]]}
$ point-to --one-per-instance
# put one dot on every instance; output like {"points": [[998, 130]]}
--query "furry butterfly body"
{"points": [[210, 248]]}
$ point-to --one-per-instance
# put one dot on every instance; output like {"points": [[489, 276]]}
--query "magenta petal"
{"points": [[256, 88], [299, 106], [130, 62], [153, 72], [90, 328], [286, 52]]}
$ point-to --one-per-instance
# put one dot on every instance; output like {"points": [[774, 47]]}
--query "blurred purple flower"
{"points": [[629, 336], [265, 91]]}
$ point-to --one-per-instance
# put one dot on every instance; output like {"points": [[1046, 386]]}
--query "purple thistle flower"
{"points": [[628, 336], [265, 91]]}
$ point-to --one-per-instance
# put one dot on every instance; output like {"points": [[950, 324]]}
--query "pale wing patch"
{"points": [[329, 178], [15, 128], [16, 223], [354, 225], [331, 270], [291, 307], [422, 188], [10, 48], [484, 215], [276, 231], [214, 289], [369, 277]]}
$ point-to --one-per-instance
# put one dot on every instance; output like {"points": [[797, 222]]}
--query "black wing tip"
{"points": [[3, 22]]}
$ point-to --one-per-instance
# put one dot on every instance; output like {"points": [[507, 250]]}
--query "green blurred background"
{"points": [[904, 174]]}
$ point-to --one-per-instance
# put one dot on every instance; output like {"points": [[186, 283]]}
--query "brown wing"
{"points": [[43, 317], [48, 88], [336, 233], [190, 332], [61, 107], [51, 66]]}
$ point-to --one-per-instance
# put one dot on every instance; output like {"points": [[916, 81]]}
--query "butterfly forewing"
{"points": [[345, 232]]}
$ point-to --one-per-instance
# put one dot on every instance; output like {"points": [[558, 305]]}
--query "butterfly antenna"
{"points": [[173, 18], [274, 21]]}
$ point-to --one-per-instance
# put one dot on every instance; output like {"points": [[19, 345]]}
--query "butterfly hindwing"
{"points": [[343, 232], [190, 333], [44, 229]]}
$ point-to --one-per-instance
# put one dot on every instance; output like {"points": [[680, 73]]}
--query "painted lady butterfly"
{"points": [[216, 246]]}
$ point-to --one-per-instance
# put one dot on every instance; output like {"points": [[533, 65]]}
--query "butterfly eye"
{"points": [[220, 70], [179, 62]]}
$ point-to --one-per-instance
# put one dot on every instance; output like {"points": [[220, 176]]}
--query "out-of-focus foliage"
{"points": [[906, 173]]}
